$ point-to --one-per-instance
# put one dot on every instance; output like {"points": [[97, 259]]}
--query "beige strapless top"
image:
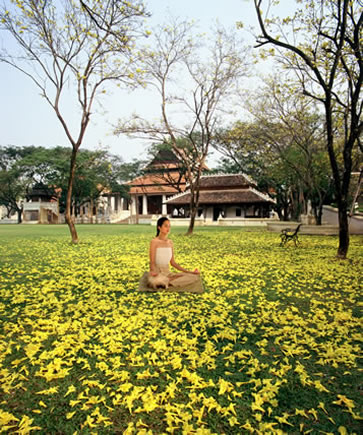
{"points": [[163, 256]]}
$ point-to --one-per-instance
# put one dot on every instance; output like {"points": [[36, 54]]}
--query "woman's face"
{"points": [[165, 228]]}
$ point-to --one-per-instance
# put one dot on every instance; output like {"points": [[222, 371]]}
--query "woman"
{"points": [[162, 254]]}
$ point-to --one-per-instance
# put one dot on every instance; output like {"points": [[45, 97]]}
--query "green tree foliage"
{"points": [[74, 49], [97, 172], [321, 45], [13, 183], [292, 129], [282, 148], [246, 150]]}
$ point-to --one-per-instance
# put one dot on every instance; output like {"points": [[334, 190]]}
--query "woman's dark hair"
{"points": [[159, 223]]}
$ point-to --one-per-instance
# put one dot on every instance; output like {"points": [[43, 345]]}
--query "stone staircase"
{"points": [[141, 219], [125, 221]]}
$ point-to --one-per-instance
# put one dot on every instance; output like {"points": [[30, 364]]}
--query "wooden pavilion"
{"points": [[225, 196]]}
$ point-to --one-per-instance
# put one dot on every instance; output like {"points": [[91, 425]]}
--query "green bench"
{"points": [[289, 234]]}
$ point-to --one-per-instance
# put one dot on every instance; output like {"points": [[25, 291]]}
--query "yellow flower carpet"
{"points": [[272, 346]]}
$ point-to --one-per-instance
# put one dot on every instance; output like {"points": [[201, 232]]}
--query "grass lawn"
{"points": [[272, 346]]}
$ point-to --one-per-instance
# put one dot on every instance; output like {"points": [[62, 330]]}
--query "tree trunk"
{"points": [[279, 213], [193, 209], [286, 212], [341, 187], [20, 212], [318, 210], [318, 213], [68, 216], [194, 203], [343, 231], [90, 213], [193, 214], [294, 206]]}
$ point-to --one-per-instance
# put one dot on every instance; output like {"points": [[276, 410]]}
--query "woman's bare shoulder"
{"points": [[156, 242]]}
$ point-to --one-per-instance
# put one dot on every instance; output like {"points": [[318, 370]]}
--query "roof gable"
{"points": [[226, 181]]}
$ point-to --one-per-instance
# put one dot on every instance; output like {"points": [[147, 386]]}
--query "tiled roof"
{"points": [[156, 184], [155, 189], [165, 155], [240, 196], [163, 166], [150, 179], [220, 188], [225, 180]]}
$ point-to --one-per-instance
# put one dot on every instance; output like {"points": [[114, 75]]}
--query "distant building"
{"points": [[225, 196], [163, 190], [6, 218], [110, 207], [163, 178], [41, 205], [225, 199]]}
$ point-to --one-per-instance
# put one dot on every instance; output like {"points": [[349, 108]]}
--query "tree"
{"points": [[124, 171], [62, 44], [246, 149], [91, 178], [323, 47], [284, 157], [14, 183], [197, 91], [97, 172], [11, 193], [292, 127], [22, 168]]}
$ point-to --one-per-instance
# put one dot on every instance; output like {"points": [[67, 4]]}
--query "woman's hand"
{"points": [[196, 272]]}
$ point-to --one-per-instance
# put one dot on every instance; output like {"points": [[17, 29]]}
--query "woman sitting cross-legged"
{"points": [[161, 255]]}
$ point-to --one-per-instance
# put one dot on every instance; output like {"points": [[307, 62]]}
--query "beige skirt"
{"points": [[178, 279], [178, 284]]}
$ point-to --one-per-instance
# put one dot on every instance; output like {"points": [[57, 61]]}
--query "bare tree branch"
{"points": [[173, 57], [81, 46], [334, 73]]}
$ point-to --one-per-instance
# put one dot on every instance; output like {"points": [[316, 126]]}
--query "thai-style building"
{"points": [[6, 218], [109, 207], [224, 199], [163, 179], [225, 196], [41, 206]]}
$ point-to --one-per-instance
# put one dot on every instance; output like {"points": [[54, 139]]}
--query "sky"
{"points": [[26, 118]]}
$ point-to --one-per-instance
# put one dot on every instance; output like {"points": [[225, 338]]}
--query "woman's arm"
{"points": [[177, 266], [152, 254]]}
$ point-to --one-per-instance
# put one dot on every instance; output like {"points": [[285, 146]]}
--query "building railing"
{"points": [[37, 205]]}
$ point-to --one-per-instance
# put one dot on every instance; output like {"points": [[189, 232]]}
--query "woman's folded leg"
{"points": [[181, 279]]}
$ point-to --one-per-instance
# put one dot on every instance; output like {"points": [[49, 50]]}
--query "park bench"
{"points": [[289, 234]]}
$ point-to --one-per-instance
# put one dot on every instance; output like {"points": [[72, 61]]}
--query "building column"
{"points": [[163, 206], [144, 204], [122, 204], [133, 205]]}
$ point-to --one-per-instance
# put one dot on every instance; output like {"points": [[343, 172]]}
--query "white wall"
{"points": [[330, 217]]}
